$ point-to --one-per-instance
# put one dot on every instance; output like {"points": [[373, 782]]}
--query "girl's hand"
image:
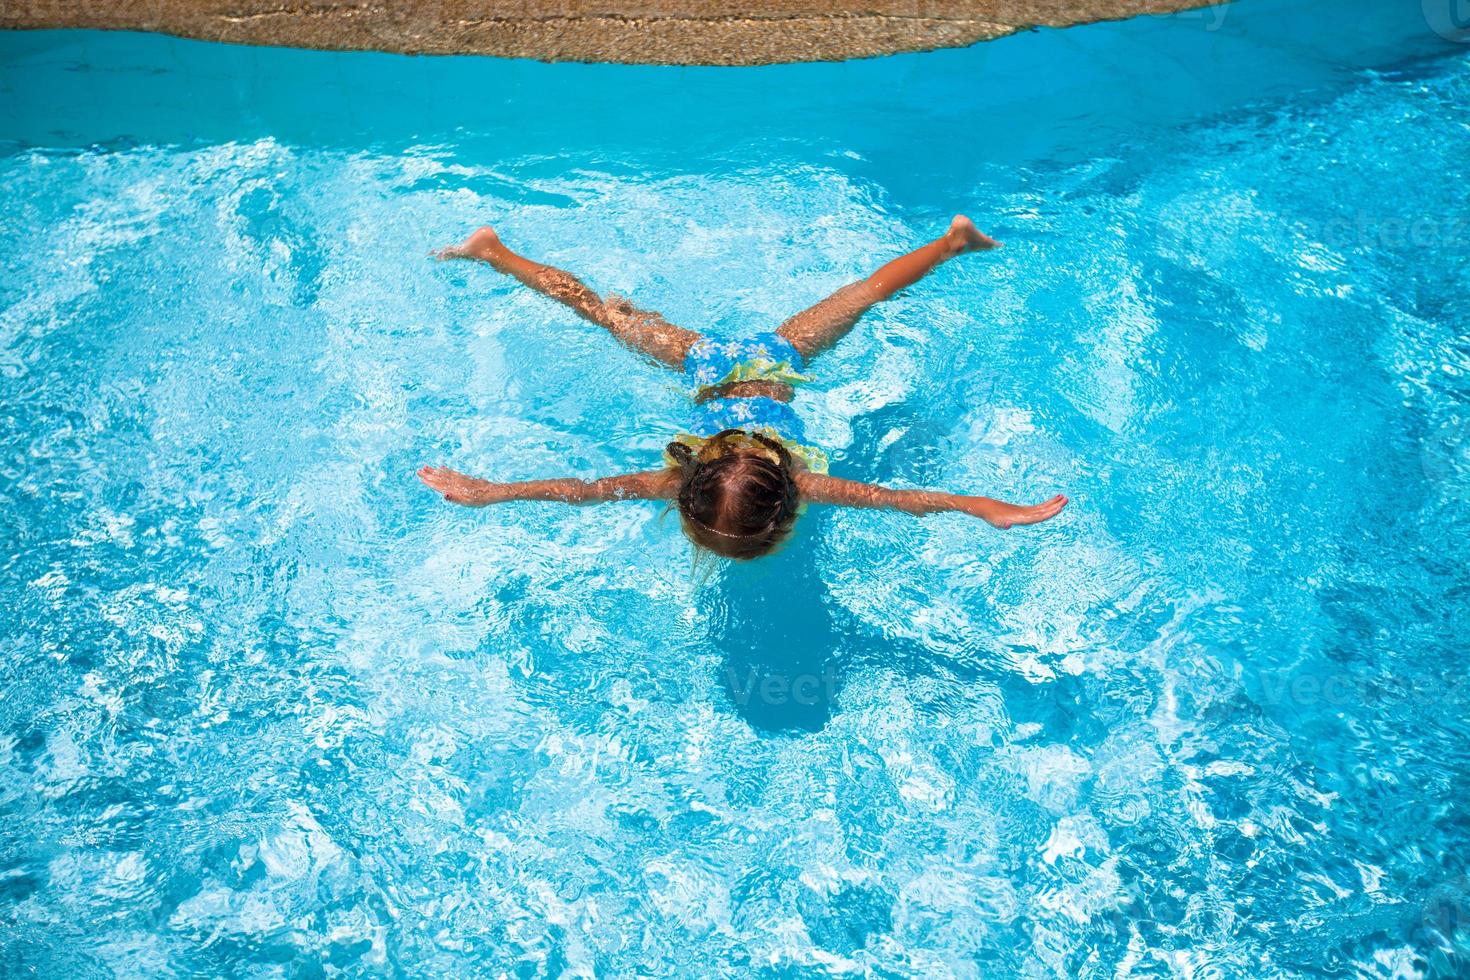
{"points": [[1003, 515], [458, 488]]}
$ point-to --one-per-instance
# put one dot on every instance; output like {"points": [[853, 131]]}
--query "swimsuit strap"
{"points": [[813, 458]]}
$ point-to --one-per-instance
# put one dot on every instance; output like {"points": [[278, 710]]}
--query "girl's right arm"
{"points": [[473, 492], [821, 489]]}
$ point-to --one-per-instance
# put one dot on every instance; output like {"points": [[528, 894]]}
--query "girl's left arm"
{"points": [[473, 492], [821, 489]]}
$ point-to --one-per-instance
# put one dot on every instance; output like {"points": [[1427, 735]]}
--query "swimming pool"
{"points": [[270, 707]]}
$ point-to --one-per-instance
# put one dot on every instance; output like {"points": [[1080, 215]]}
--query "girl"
{"points": [[743, 470]]}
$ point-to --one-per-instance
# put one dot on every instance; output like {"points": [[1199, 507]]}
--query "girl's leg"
{"points": [[815, 329], [640, 329]]}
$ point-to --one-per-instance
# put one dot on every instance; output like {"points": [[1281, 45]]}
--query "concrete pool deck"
{"points": [[672, 32]]}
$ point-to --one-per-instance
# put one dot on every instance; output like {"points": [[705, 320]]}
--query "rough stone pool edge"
{"points": [[667, 32]]}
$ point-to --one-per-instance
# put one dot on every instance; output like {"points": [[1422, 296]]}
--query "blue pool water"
{"points": [[271, 708]]}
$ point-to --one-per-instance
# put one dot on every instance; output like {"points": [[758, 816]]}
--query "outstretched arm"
{"points": [[821, 489], [472, 492]]}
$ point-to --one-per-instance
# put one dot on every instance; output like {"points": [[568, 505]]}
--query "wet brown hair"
{"points": [[737, 501]]}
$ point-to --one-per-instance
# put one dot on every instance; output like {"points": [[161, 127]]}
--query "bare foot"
{"points": [[480, 245], [965, 237]]}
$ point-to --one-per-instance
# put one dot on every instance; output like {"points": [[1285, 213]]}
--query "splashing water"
{"points": [[272, 707]]}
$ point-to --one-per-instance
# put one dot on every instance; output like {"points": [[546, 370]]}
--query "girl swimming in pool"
{"points": [[743, 469]]}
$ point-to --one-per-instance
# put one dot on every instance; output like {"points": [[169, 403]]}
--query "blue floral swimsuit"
{"points": [[763, 357]]}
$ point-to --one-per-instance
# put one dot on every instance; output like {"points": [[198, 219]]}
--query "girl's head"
{"points": [[737, 497]]}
